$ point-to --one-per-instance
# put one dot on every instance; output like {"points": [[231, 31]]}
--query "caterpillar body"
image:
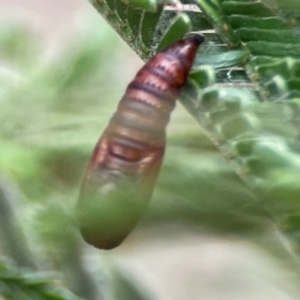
{"points": [[125, 163]]}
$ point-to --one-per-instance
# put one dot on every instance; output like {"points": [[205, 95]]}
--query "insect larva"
{"points": [[124, 166]]}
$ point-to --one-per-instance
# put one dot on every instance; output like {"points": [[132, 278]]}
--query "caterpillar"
{"points": [[122, 171]]}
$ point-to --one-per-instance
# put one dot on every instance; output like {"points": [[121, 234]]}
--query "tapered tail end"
{"points": [[196, 37], [185, 50]]}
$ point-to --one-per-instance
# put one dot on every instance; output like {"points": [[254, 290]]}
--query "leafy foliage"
{"points": [[22, 284], [236, 174]]}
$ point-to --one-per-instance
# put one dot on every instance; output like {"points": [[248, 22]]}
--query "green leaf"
{"points": [[23, 284], [149, 5], [177, 30]]}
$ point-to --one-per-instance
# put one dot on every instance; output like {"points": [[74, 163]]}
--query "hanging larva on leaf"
{"points": [[124, 166]]}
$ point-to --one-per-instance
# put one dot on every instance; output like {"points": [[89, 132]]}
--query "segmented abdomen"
{"points": [[122, 171]]}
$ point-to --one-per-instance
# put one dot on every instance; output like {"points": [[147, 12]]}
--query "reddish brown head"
{"points": [[185, 50], [169, 68]]}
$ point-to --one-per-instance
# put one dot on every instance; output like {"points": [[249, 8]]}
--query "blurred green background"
{"points": [[62, 73]]}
